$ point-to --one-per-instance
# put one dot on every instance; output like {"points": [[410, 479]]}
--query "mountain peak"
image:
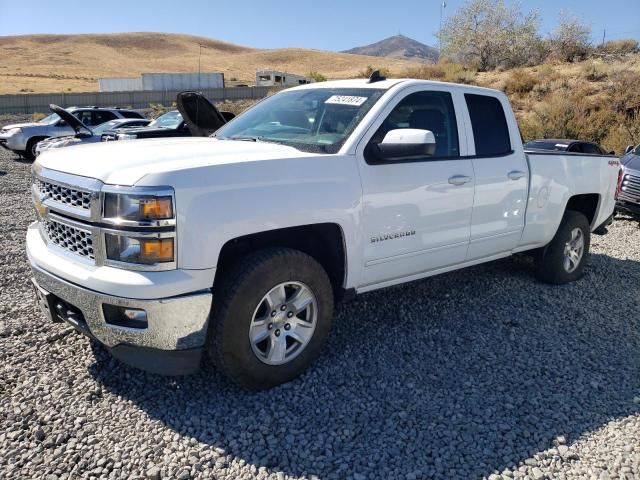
{"points": [[398, 46]]}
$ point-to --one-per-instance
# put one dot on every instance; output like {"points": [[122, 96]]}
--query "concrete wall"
{"points": [[182, 81], [120, 84], [39, 102]]}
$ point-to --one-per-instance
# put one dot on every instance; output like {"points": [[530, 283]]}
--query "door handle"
{"points": [[516, 175], [459, 180]]}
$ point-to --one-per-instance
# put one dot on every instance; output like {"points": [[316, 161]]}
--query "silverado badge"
{"points": [[391, 236]]}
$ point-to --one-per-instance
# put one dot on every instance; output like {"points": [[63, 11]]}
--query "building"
{"points": [[275, 78], [163, 81]]}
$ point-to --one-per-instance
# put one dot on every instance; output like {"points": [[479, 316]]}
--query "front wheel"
{"points": [[272, 313], [563, 260]]}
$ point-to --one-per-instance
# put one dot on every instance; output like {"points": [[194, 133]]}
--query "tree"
{"points": [[570, 40], [488, 34]]}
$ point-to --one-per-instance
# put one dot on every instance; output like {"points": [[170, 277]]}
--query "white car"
{"points": [[239, 245], [84, 134], [23, 138]]}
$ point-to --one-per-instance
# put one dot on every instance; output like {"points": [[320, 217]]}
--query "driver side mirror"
{"points": [[628, 149], [407, 144]]}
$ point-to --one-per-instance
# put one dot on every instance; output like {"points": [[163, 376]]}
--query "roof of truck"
{"points": [[386, 84]]}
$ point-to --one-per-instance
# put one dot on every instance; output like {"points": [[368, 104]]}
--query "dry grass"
{"points": [[56, 63]]}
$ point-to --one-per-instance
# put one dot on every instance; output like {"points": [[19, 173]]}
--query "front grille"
{"points": [[65, 195], [70, 238], [630, 191]]}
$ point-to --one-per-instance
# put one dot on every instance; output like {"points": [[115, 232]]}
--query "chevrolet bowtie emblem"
{"points": [[41, 208]]}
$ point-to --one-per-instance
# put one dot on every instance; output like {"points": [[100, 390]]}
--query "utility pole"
{"points": [[604, 36], [199, 56], [443, 5]]}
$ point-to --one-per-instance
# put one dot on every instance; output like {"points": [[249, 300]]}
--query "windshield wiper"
{"points": [[244, 139]]}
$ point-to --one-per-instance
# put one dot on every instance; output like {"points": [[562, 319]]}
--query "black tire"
{"points": [[237, 296], [550, 261], [30, 153]]}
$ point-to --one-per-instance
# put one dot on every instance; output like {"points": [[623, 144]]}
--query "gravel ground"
{"points": [[479, 373]]}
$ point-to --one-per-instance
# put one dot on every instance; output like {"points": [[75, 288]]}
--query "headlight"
{"points": [[141, 250], [11, 131], [137, 208], [126, 136]]}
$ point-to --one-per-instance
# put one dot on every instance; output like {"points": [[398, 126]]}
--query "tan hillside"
{"points": [[597, 99], [55, 63]]}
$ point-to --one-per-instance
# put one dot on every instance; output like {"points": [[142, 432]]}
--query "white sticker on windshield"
{"points": [[346, 100]]}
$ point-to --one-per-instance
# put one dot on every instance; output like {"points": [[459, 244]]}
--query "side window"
{"points": [[432, 111], [591, 149], [575, 148], [490, 129], [84, 116], [130, 114], [102, 116]]}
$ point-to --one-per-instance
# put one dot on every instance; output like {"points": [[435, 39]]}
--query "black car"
{"points": [[566, 145], [195, 117]]}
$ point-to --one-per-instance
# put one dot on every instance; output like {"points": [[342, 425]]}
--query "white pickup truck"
{"points": [[239, 245]]}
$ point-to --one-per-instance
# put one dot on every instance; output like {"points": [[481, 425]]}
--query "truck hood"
{"points": [[126, 162], [631, 161]]}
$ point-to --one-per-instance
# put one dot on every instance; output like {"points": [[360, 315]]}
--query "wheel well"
{"points": [[323, 241], [586, 204]]}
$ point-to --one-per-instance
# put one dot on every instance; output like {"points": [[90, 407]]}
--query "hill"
{"points": [[56, 63], [398, 46]]}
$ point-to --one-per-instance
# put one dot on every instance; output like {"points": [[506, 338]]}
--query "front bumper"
{"points": [[172, 342], [628, 207], [16, 142]]}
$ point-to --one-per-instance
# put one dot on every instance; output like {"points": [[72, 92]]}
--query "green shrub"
{"points": [[157, 110], [627, 45], [37, 116], [594, 72], [317, 76], [366, 73], [520, 82]]}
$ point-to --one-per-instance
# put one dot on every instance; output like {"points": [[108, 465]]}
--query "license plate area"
{"points": [[44, 300], [58, 310]]}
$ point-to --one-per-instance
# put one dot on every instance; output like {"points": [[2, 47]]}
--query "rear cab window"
{"points": [[489, 125]]}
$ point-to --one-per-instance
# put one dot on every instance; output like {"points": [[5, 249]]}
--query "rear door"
{"points": [[502, 177], [416, 212]]}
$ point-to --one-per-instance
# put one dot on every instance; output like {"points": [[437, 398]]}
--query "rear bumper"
{"points": [[171, 342]]}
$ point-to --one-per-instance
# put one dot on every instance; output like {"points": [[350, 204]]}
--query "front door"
{"points": [[416, 213]]}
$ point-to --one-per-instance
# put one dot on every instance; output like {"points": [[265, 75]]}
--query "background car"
{"points": [[23, 138], [628, 192], [196, 117], [567, 145], [84, 134]]}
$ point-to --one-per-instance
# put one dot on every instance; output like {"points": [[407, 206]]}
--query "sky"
{"points": [[322, 24]]}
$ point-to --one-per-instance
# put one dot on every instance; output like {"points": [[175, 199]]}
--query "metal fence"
{"points": [[39, 102]]}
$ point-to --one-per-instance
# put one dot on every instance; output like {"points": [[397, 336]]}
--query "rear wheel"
{"points": [[272, 313], [563, 260]]}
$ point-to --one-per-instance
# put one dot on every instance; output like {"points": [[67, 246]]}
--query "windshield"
{"points": [[168, 120], [106, 126], [50, 119], [312, 120]]}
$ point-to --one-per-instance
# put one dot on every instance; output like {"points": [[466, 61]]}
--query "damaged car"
{"points": [[195, 117], [22, 138], [83, 133]]}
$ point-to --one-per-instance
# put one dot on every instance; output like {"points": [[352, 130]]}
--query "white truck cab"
{"points": [[239, 245]]}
